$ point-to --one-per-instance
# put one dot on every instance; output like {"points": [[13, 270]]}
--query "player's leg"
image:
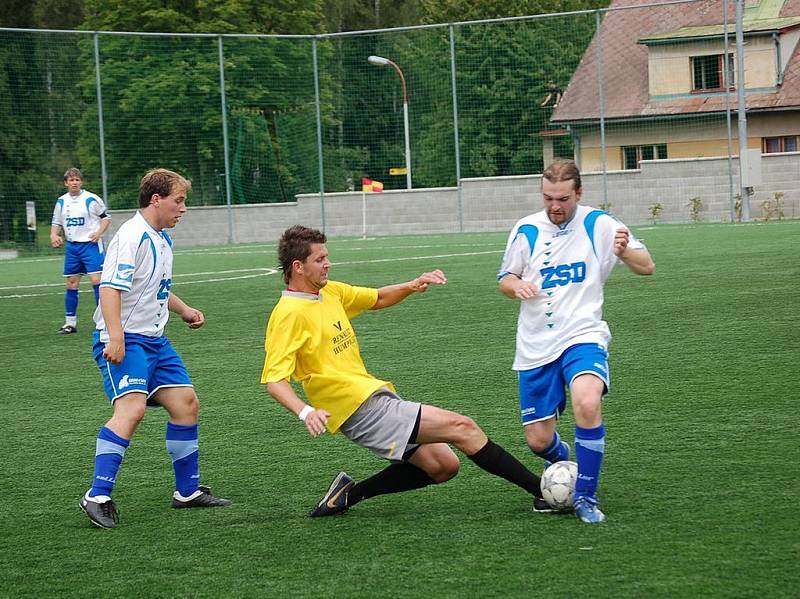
{"points": [[72, 282], [443, 426], [542, 398], [587, 370], [94, 267], [125, 386], [172, 389]]}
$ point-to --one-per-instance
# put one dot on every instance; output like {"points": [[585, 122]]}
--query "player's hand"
{"points": [[94, 236], [114, 351], [435, 277], [525, 290], [194, 318], [621, 239], [316, 421], [56, 241]]}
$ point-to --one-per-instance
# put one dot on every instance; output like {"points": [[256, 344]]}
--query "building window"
{"points": [[632, 155], [708, 72], [784, 143]]}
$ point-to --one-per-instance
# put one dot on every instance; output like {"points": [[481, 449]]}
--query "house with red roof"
{"points": [[666, 86]]}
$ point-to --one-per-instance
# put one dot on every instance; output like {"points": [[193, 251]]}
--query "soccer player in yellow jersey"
{"points": [[310, 339]]}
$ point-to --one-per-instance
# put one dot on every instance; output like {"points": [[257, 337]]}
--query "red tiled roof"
{"points": [[625, 81]]}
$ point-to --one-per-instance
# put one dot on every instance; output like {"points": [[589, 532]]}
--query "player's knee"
{"points": [[539, 445], [445, 469], [464, 427]]}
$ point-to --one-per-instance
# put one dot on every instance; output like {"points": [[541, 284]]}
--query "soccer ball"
{"points": [[558, 484]]}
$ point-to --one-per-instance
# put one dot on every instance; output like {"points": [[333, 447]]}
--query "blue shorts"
{"points": [[543, 390], [150, 363], [83, 257]]}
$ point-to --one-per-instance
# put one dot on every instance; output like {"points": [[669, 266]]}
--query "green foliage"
{"points": [[695, 207], [655, 211]]}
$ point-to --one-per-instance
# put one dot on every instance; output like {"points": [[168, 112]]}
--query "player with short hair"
{"points": [[81, 216], [139, 366], [310, 338], [556, 263]]}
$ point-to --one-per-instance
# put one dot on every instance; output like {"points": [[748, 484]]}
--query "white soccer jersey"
{"points": [[139, 264], [79, 215], [569, 264]]}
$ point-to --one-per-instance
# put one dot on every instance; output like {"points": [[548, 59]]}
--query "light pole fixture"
{"points": [[380, 61]]}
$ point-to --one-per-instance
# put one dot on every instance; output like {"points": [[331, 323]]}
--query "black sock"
{"points": [[395, 478], [496, 460]]}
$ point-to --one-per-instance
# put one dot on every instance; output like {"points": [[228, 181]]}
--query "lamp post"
{"points": [[380, 61]]}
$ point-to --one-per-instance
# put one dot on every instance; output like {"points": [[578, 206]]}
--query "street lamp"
{"points": [[380, 61]]}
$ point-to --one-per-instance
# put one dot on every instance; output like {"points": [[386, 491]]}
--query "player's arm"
{"points": [[637, 259], [282, 392], [393, 294], [191, 316], [55, 236], [105, 222], [111, 307], [511, 285]]}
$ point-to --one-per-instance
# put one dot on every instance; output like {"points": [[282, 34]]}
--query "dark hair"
{"points": [[73, 172], [160, 181], [563, 170], [295, 244]]}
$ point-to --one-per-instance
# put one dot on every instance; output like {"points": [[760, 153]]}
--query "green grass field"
{"points": [[699, 482]]}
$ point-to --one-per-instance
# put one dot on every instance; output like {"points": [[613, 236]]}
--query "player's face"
{"points": [[314, 269], [73, 184], [560, 200], [170, 208]]}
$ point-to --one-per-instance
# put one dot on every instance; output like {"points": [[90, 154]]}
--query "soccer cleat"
{"points": [[67, 329], [541, 506], [587, 511], [200, 498], [335, 500], [101, 510]]}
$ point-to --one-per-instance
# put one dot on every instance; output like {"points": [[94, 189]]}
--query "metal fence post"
{"points": [[319, 132], [455, 129], [602, 105], [742, 111], [727, 68], [225, 139], [101, 129]]}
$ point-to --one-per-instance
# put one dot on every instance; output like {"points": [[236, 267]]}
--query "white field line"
{"points": [[254, 272]]}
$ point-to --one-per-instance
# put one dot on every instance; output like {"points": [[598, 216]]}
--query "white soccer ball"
{"points": [[558, 484]]}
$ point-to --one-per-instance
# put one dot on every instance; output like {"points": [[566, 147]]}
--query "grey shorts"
{"points": [[383, 424]]}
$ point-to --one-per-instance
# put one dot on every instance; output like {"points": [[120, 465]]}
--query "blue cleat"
{"points": [[587, 511]]}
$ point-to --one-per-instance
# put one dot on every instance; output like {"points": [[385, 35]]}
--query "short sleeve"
{"points": [[120, 263], [354, 299], [57, 218], [96, 206], [518, 251], [285, 336]]}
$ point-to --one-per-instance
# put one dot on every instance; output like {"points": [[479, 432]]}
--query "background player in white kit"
{"points": [[556, 262], [81, 215], [138, 364]]}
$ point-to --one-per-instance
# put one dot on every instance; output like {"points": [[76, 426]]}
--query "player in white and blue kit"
{"points": [[138, 364], [556, 263], [81, 216]]}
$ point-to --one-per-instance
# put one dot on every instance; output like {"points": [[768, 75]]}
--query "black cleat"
{"points": [[67, 329], [335, 500], [200, 498], [542, 507], [103, 514]]}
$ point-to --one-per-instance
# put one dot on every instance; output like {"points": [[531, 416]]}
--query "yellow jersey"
{"points": [[310, 339]]}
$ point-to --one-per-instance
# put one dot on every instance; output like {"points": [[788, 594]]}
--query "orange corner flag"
{"points": [[368, 185]]}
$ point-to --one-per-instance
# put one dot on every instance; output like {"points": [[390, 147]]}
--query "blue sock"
{"points": [[182, 446], [96, 289], [108, 456], [71, 302], [557, 451], [590, 445]]}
